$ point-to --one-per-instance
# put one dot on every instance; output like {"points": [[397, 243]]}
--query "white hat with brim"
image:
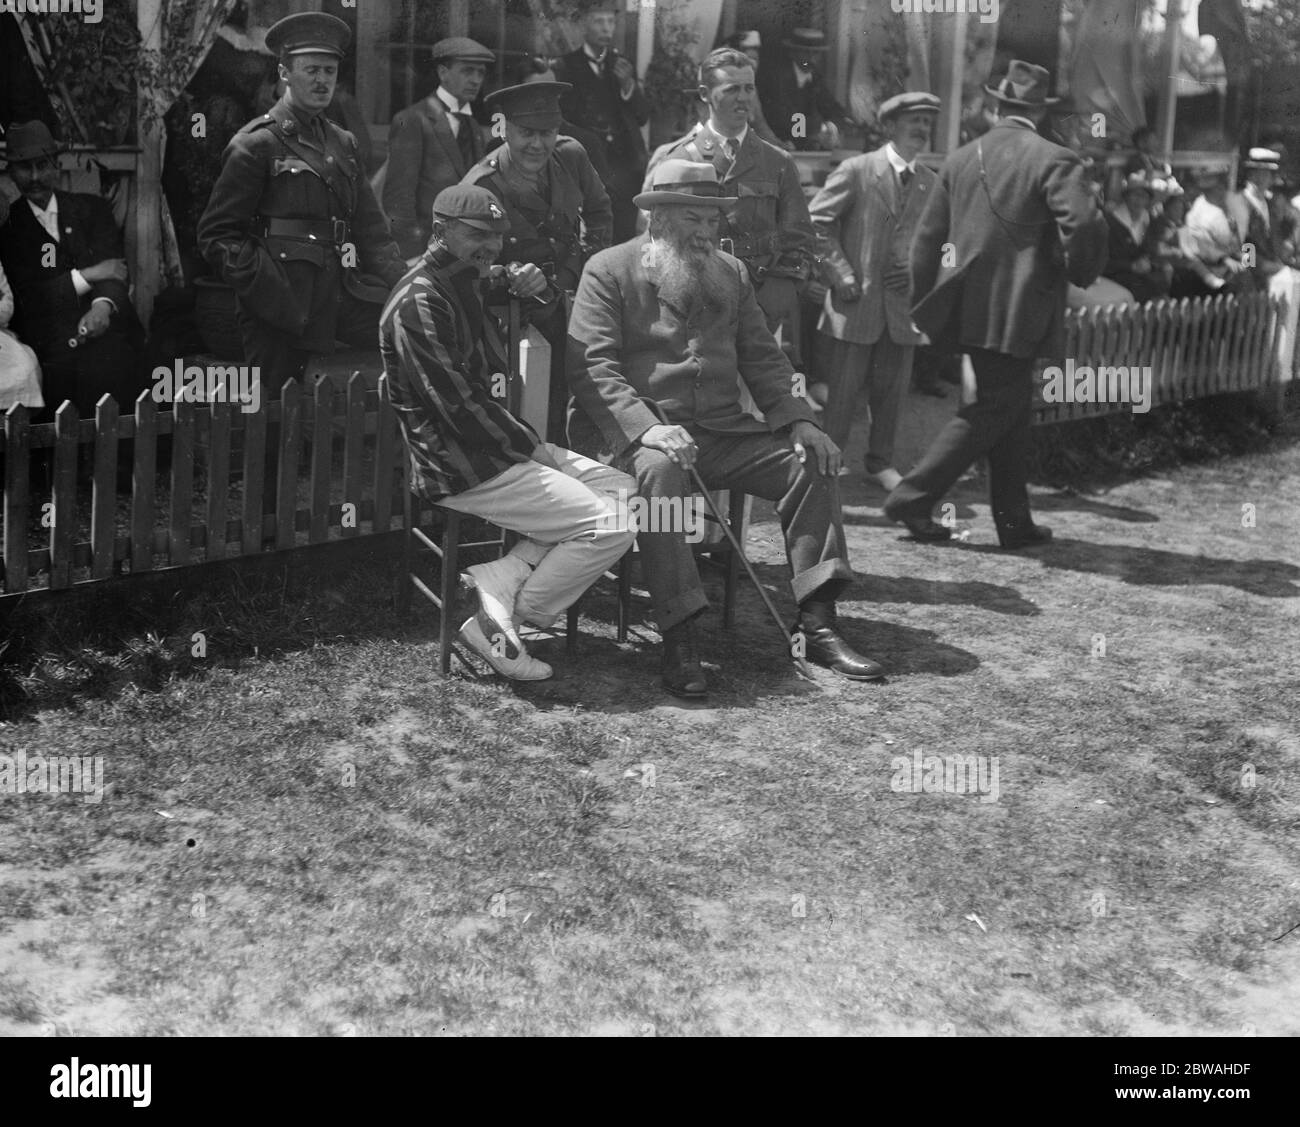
{"points": [[688, 182]]}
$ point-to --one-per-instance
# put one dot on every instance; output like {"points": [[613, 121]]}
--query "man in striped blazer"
{"points": [[470, 454]]}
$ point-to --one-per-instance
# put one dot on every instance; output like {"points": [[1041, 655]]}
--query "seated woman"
{"points": [[20, 371], [1175, 247], [1131, 259]]}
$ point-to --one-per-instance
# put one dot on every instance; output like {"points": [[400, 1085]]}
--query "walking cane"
{"points": [[800, 662]]}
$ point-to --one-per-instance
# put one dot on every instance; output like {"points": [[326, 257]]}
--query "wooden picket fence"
{"points": [[1194, 346], [353, 485], [355, 461]]}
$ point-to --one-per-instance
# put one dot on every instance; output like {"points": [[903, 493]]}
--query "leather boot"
{"points": [[683, 675], [824, 646]]}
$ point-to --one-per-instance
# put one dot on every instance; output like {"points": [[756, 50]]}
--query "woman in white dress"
{"points": [[20, 372]]}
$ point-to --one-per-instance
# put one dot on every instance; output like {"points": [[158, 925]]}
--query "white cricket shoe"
{"points": [[523, 667], [497, 584]]}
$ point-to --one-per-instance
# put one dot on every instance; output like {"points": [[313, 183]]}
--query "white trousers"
{"points": [[573, 512], [1286, 285]]}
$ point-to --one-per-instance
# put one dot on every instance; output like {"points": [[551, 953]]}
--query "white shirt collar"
{"points": [[802, 77], [450, 102], [48, 217], [1136, 227], [590, 52], [1022, 120], [896, 161], [740, 140]]}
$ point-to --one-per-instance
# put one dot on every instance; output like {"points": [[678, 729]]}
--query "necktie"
{"points": [[729, 149], [465, 137], [905, 178]]}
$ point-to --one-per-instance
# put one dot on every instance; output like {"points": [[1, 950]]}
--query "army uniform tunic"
{"points": [[290, 225], [558, 230], [768, 227]]}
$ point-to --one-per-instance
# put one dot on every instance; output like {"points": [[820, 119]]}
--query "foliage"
{"points": [[91, 73], [1274, 31], [673, 69]]}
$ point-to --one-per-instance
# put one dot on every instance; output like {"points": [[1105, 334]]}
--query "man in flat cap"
{"points": [[469, 453], [558, 209], [433, 143], [292, 223], [607, 99], [800, 107], [865, 217], [767, 227], [1011, 220], [667, 322], [62, 252]]}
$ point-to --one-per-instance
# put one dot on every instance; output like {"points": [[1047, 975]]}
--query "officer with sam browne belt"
{"points": [[292, 221], [768, 228]]}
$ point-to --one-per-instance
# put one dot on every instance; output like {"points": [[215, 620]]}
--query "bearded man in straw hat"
{"points": [[668, 323]]}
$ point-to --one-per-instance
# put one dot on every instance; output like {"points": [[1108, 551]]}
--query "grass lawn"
{"points": [[308, 831]]}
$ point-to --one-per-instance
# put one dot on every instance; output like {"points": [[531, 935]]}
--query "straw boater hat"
{"points": [[313, 33], [684, 182], [535, 105], [805, 39], [1269, 159], [908, 102], [29, 140], [1025, 86]]}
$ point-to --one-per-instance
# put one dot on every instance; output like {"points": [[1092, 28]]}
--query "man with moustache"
{"points": [[768, 227], [667, 318], [63, 255], [558, 209], [292, 221], [865, 217], [607, 99], [432, 144], [469, 453], [1011, 220]]}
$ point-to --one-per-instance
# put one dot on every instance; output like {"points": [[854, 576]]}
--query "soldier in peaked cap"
{"points": [[433, 143], [470, 454], [292, 224], [559, 211]]}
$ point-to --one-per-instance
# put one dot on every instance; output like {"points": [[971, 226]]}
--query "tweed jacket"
{"points": [[864, 223], [768, 225], [1022, 221], [423, 158], [564, 228], [274, 173], [47, 306], [627, 345]]}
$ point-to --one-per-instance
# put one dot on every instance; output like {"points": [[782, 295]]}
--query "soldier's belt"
{"points": [[751, 246], [332, 231]]}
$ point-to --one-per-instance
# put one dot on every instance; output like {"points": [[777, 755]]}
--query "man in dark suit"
{"points": [[800, 108], [292, 222], [606, 98], [1131, 259], [1011, 219], [63, 255], [432, 144], [667, 321]]}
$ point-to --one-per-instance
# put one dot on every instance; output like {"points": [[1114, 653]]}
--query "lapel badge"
{"points": [[496, 212]]}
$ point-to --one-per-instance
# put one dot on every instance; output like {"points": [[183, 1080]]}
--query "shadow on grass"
{"points": [[1072, 502], [882, 589], [1274, 579]]}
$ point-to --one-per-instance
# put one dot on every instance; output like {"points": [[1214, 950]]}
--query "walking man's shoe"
{"points": [[509, 660], [683, 675], [925, 529], [1028, 536], [824, 646]]}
